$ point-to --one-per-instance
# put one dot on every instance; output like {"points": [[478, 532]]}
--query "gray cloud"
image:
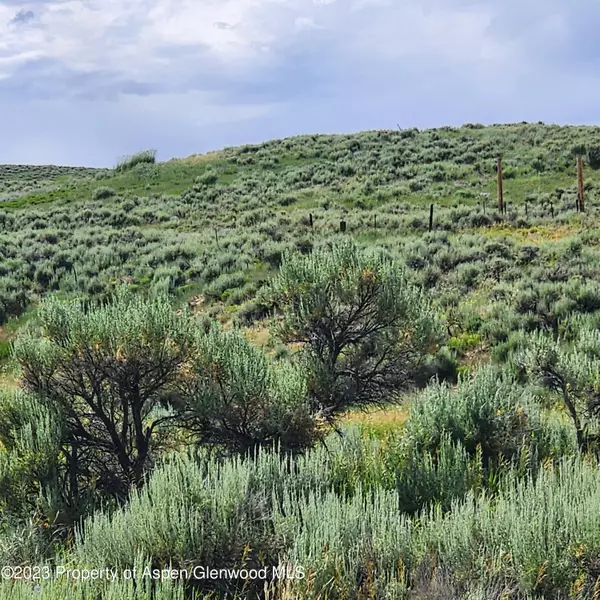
{"points": [[193, 75], [22, 17]]}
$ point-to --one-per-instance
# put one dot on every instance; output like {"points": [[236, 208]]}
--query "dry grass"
{"points": [[8, 380], [533, 235], [196, 159], [258, 335], [380, 420]]}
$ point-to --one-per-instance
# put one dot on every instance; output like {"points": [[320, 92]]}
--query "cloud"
{"points": [[22, 17], [242, 70], [305, 23], [132, 37]]}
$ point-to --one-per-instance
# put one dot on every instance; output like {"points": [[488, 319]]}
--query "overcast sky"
{"points": [[85, 82]]}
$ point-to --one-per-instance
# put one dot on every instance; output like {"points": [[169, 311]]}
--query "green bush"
{"points": [[593, 156], [236, 398], [129, 162], [106, 369], [102, 193], [363, 328], [572, 370], [30, 447], [487, 410], [537, 537]]}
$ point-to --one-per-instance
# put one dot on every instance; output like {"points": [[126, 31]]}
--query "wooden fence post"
{"points": [[343, 226], [581, 203], [430, 217], [310, 219], [500, 191]]}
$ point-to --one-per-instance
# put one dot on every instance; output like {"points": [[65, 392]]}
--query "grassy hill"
{"points": [[215, 226], [477, 488]]}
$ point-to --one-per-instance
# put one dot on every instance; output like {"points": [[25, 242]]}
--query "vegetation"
{"points": [[364, 329], [266, 359], [129, 162], [106, 371]]}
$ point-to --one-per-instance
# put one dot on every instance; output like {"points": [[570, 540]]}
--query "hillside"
{"points": [[218, 224], [291, 365]]}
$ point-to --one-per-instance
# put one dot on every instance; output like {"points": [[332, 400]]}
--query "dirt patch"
{"points": [[196, 304], [478, 356]]}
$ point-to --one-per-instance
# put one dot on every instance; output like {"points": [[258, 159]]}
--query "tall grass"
{"points": [[365, 518], [65, 589], [128, 162], [537, 536]]}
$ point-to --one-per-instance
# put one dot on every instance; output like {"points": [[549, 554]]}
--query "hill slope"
{"points": [[484, 489], [217, 224]]}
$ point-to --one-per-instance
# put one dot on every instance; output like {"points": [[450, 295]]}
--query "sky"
{"points": [[85, 82]]}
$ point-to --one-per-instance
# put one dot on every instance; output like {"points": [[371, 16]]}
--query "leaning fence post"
{"points": [[310, 219], [430, 217]]}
